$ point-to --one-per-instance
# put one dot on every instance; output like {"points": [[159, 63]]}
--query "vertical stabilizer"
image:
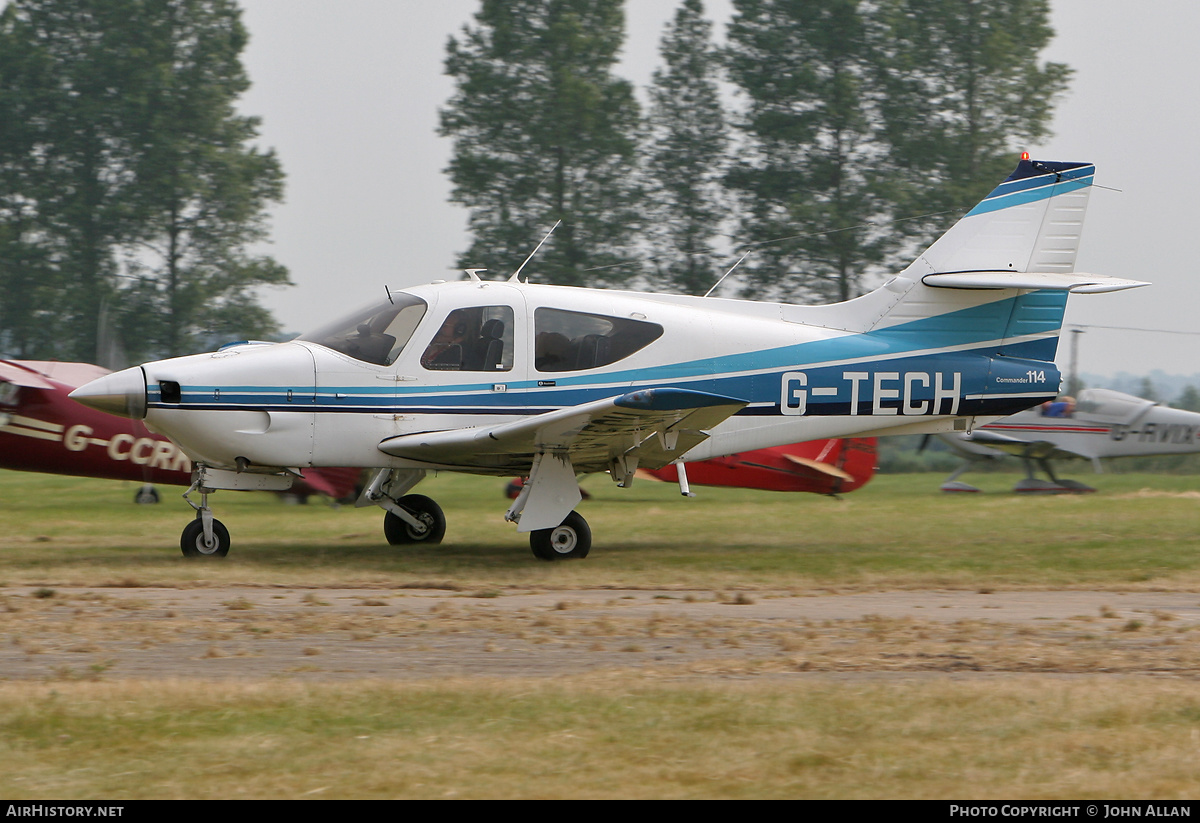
{"points": [[1031, 222], [999, 278]]}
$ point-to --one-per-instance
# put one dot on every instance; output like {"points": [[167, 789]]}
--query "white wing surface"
{"points": [[650, 428]]}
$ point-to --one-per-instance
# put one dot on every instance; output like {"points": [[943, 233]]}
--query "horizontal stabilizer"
{"points": [[1074, 282], [817, 469]]}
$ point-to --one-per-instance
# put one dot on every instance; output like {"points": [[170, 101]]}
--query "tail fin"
{"points": [[999, 277], [1031, 222]]}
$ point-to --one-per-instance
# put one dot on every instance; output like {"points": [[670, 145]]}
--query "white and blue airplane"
{"points": [[509, 378]]}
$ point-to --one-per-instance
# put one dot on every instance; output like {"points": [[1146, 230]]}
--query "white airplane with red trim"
{"points": [[1099, 423]]}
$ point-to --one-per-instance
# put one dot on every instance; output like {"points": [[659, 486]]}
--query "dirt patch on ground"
{"points": [[238, 632]]}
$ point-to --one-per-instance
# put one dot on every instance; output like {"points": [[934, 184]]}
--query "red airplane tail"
{"points": [[817, 466]]}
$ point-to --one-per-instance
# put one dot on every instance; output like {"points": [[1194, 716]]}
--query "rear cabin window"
{"points": [[474, 339], [573, 341]]}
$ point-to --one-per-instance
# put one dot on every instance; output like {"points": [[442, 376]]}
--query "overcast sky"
{"points": [[349, 91]]}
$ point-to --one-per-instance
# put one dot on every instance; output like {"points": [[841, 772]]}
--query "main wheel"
{"points": [[429, 513], [572, 539], [192, 541]]}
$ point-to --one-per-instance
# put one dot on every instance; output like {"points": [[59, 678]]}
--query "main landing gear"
{"points": [[414, 518], [572, 539], [409, 518], [430, 525], [548, 497]]}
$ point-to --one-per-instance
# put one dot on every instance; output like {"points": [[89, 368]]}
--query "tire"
{"points": [[570, 540], [399, 533], [146, 495], [192, 541]]}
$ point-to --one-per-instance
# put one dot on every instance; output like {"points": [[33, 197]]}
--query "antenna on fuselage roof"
{"points": [[516, 275], [726, 274]]}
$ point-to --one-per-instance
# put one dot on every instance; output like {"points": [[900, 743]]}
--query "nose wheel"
{"points": [[195, 543], [205, 536]]}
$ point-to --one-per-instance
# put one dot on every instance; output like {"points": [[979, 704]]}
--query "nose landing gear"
{"points": [[196, 543], [206, 536]]}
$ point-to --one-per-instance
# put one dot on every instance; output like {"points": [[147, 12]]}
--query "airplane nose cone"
{"points": [[122, 393]]}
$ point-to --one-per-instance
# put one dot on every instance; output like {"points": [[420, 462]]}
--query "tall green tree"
{"points": [[203, 187], [814, 158], [687, 141], [965, 91], [136, 186], [25, 276], [68, 79], [1188, 399], [869, 127], [543, 132], [1148, 391]]}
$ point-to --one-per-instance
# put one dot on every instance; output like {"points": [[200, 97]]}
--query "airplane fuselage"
{"points": [[304, 403]]}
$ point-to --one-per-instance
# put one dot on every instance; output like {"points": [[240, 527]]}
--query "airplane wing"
{"points": [[648, 428], [11, 372], [987, 438], [67, 373], [1032, 449]]}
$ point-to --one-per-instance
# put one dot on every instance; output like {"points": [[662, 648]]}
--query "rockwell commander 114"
{"points": [[511, 378]]}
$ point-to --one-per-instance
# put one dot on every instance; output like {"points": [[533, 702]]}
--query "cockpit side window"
{"points": [[376, 334], [475, 339], [574, 341]]}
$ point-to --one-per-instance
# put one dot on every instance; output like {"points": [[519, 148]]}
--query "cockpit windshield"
{"points": [[376, 334]]}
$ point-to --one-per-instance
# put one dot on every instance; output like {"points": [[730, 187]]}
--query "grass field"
{"points": [[898, 531], [759, 731]]}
